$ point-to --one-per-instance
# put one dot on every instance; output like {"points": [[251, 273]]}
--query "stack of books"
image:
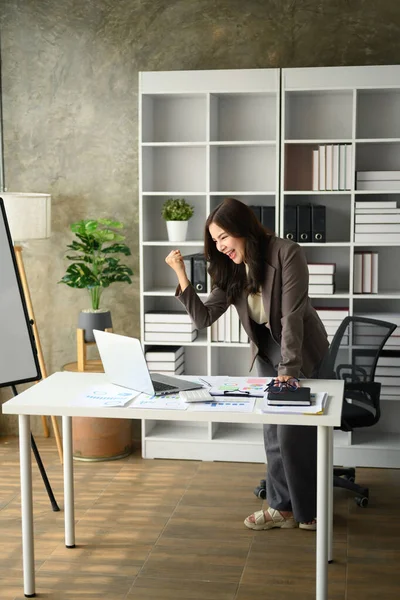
{"points": [[365, 272], [321, 278], [229, 329], [332, 318], [168, 360], [169, 326], [378, 180], [332, 167], [377, 221], [388, 374], [365, 334]]}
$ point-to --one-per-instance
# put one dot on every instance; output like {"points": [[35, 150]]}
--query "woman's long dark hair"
{"points": [[238, 220]]}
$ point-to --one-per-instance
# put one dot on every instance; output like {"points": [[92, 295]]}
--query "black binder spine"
{"points": [[268, 217], [187, 261], [257, 211], [199, 273], [289, 224], [303, 223], [318, 223]]}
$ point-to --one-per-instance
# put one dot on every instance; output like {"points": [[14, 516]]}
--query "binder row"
{"points": [[305, 223], [332, 167], [266, 215], [229, 329], [365, 272]]}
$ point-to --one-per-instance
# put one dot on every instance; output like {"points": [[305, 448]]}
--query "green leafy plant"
{"points": [[96, 265], [176, 209]]}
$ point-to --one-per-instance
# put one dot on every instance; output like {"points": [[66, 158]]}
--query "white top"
{"points": [[55, 395], [256, 306]]}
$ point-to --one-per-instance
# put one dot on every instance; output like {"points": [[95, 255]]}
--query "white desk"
{"points": [[53, 395]]}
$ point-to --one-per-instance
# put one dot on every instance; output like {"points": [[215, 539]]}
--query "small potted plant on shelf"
{"points": [[177, 212], [95, 267]]}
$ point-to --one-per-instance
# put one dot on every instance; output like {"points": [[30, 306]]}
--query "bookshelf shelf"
{"points": [[367, 120], [173, 193], [163, 292], [173, 244], [319, 141], [229, 345], [174, 145], [177, 430], [205, 135], [318, 193], [377, 140], [245, 143], [244, 193], [226, 143], [326, 244]]}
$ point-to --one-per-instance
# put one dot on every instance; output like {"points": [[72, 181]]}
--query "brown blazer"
{"points": [[294, 324]]}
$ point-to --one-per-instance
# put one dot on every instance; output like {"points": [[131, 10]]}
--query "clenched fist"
{"points": [[175, 261]]}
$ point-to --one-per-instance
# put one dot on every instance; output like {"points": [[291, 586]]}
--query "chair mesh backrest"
{"points": [[355, 349]]}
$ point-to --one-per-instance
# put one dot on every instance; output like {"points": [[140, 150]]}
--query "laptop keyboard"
{"points": [[162, 387]]}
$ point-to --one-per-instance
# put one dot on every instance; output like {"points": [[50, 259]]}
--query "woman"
{"points": [[266, 279]]}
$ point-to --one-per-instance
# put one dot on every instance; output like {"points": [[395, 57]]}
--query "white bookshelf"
{"points": [[357, 106], [203, 135], [249, 134]]}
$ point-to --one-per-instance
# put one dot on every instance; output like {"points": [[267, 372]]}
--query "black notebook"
{"points": [[299, 397]]}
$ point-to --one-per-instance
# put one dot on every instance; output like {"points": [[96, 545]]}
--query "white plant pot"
{"points": [[177, 230]]}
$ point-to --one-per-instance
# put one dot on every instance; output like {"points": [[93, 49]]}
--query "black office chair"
{"points": [[353, 356]]}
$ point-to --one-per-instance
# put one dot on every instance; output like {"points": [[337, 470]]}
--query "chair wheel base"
{"points": [[363, 501], [261, 490]]}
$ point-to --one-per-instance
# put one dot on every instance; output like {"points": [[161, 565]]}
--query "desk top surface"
{"points": [[53, 395]]}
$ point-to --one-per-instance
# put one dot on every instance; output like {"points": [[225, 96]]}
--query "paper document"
{"points": [[168, 401], [237, 386], [107, 394], [318, 404], [221, 405]]}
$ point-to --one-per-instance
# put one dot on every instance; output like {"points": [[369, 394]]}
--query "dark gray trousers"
{"points": [[291, 458]]}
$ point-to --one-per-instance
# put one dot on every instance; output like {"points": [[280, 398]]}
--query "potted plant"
{"points": [[95, 267], [177, 212]]}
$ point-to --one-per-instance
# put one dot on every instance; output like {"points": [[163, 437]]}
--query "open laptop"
{"points": [[124, 364]]}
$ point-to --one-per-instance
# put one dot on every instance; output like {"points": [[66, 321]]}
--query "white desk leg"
{"points": [[322, 513], [26, 505], [330, 495], [69, 509]]}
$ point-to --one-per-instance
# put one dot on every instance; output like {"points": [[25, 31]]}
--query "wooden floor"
{"points": [[173, 530]]}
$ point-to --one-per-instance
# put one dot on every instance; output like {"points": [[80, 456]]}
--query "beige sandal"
{"points": [[277, 520]]}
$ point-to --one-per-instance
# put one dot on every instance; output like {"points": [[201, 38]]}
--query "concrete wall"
{"points": [[70, 109]]}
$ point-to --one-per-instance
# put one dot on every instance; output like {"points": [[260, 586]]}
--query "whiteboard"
{"points": [[18, 356]]}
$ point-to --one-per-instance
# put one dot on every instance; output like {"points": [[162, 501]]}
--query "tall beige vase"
{"points": [[96, 439]]}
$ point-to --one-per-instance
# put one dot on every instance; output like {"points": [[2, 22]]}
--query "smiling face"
{"points": [[232, 247]]}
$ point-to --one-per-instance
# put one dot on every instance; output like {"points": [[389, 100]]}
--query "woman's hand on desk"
{"points": [[287, 379]]}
